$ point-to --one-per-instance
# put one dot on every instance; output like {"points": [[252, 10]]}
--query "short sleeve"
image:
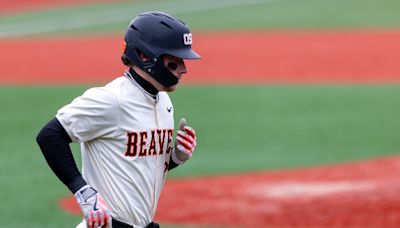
{"points": [[92, 115]]}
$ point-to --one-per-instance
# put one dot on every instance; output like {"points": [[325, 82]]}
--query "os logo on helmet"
{"points": [[187, 38]]}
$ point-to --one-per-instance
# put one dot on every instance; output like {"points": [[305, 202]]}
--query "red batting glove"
{"points": [[185, 143]]}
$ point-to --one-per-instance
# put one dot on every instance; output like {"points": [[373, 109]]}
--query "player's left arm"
{"points": [[185, 144]]}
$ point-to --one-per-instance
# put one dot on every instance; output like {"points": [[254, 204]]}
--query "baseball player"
{"points": [[126, 129]]}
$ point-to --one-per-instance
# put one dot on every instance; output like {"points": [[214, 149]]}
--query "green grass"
{"points": [[301, 14], [208, 15], [273, 127], [239, 129]]}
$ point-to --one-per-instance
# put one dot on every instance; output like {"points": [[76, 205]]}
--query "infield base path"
{"points": [[266, 57], [364, 194]]}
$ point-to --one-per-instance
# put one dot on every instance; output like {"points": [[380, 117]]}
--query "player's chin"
{"points": [[171, 88]]}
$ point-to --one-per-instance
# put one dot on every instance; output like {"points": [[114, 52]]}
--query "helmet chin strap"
{"points": [[159, 72]]}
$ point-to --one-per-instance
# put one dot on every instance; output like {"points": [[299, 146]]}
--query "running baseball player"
{"points": [[126, 129]]}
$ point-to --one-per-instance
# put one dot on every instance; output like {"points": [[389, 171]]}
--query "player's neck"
{"points": [[143, 83]]}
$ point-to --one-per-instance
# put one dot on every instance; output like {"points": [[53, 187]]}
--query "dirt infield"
{"points": [[251, 58], [363, 194]]}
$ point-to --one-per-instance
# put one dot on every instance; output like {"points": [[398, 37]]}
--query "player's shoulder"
{"points": [[116, 85], [122, 87], [107, 94], [164, 97], [113, 89], [99, 93]]}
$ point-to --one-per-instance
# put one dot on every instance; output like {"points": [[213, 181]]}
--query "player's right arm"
{"points": [[54, 143], [78, 122]]}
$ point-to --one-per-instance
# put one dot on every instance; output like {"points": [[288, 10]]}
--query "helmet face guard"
{"points": [[155, 67], [156, 34]]}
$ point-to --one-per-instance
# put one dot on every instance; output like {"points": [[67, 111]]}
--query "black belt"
{"points": [[119, 224]]}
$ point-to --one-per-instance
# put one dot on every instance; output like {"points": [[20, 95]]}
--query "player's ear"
{"points": [[143, 57]]}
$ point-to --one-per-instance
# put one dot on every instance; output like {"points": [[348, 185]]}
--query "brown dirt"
{"points": [[235, 58], [363, 194]]}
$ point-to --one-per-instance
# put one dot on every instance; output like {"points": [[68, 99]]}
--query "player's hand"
{"points": [[185, 143], [95, 212]]}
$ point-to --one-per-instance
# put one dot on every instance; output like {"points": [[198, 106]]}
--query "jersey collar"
{"points": [[142, 83]]}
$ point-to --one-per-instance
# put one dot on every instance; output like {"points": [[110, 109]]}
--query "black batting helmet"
{"points": [[155, 34]]}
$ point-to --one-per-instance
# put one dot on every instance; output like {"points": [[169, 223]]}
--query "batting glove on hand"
{"points": [[185, 143], [95, 212]]}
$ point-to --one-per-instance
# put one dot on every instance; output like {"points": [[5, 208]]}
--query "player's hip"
{"points": [[119, 224]]}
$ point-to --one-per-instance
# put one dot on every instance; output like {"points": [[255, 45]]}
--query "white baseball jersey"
{"points": [[126, 138]]}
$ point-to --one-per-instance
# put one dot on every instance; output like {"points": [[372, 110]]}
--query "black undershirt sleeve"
{"points": [[54, 142], [172, 164]]}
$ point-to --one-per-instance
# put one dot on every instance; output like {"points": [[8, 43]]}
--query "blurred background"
{"points": [[284, 84]]}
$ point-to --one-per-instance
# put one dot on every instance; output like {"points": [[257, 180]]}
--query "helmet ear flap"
{"points": [[131, 55], [125, 60]]}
